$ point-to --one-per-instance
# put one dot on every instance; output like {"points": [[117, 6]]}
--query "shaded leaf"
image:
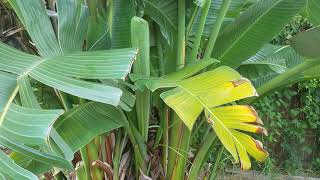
{"points": [[93, 118], [307, 43], [164, 13], [269, 62]]}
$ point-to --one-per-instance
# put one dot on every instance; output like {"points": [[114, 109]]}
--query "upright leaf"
{"points": [[35, 19], [256, 26]]}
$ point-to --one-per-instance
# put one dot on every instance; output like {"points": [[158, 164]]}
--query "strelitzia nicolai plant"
{"points": [[183, 64]]}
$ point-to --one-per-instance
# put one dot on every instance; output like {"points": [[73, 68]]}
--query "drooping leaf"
{"points": [[256, 26], [228, 122], [93, 118], [206, 92]]}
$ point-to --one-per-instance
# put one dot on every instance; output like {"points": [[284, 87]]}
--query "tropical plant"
{"points": [[183, 57]]}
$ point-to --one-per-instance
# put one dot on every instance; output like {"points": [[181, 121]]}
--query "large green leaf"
{"points": [[255, 27], [58, 71], [269, 62], [164, 13], [206, 92], [11, 170], [93, 118]]}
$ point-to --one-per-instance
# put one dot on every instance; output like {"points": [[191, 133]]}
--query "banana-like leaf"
{"points": [[206, 92], [256, 26], [93, 118], [122, 12], [268, 63], [58, 71], [313, 11], [164, 13], [9, 170]]}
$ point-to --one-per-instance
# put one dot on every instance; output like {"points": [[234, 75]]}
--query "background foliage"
{"points": [[292, 117]]}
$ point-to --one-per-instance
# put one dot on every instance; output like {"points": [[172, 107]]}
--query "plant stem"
{"points": [[216, 28], [164, 120], [117, 155], [210, 141], [80, 171], [140, 151], [93, 154], [190, 24], [179, 169], [181, 34], [86, 162], [197, 41], [176, 140]]}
